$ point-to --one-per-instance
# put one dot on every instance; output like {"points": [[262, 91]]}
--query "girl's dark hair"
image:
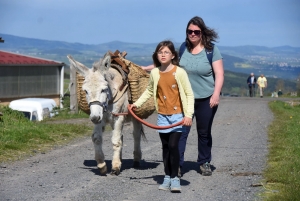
{"points": [[208, 35], [170, 45]]}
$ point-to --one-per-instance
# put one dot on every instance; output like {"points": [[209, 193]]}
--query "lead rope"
{"points": [[152, 125], [118, 114]]}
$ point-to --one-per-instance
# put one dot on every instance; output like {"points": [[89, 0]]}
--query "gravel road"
{"points": [[69, 172]]}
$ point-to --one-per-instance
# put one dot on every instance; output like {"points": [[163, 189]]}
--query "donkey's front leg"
{"points": [[117, 141], [99, 156]]}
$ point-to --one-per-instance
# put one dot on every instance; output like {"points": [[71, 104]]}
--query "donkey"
{"points": [[106, 101]]}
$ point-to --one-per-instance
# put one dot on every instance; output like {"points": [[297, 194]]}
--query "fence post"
{"points": [[73, 88]]}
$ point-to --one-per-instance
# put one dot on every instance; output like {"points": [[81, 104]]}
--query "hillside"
{"points": [[279, 63]]}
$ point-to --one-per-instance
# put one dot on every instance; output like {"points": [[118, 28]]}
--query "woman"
{"points": [[207, 81]]}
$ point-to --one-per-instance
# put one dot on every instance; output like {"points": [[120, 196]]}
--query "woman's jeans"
{"points": [[204, 118]]}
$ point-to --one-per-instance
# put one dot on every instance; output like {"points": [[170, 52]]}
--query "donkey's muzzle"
{"points": [[96, 119]]}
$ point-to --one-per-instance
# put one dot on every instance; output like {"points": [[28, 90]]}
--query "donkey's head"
{"points": [[95, 86]]}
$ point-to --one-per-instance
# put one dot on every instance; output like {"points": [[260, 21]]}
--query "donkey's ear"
{"points": [[80, 68], [105, 62]]}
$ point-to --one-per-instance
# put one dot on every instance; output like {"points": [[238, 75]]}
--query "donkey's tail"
{"points": [[143, 134]]}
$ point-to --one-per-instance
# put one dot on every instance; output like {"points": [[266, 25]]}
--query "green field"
{"points": [[20, 137], [282, 175]]}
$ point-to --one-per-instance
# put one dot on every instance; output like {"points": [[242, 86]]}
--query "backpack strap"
{"points": [[181, 49], [209, 54]]}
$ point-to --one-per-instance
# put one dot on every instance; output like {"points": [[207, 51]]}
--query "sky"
{"points": [[270, 23]]}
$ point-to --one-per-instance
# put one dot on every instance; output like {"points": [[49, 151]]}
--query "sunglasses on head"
{"points": [[196, 32]]}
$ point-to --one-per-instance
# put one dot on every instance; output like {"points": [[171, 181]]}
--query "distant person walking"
{"points": [[251, 81], [262, 84]]}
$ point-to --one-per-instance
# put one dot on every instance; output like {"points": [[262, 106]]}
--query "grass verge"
{"points": [[20, 137], [282, 174]]}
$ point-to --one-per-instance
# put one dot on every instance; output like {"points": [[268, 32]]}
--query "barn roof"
{"points": [[9, 58]]}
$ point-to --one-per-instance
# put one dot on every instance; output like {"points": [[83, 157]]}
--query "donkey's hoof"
{"points": [[115, 172], [103, 170], [136, 164]]}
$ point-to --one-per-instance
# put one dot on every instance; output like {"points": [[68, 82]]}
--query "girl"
{"points": [[174, 100]]}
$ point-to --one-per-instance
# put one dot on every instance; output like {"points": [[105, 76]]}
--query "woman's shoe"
{"points": [[205, 169]]}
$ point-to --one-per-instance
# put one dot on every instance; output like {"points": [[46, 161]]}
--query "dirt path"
{"points": [[69, 172]]}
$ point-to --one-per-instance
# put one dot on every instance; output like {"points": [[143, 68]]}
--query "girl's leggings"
{"points": [[170, 152]]}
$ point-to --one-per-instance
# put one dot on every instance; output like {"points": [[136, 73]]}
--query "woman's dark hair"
{"points": [[170, 45], [208, 35]]}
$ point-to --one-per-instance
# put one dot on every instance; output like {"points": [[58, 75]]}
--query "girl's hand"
{"points": [[132, 106], [187, 121]]}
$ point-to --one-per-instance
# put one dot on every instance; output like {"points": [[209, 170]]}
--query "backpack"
{"points": [[209, 54]]}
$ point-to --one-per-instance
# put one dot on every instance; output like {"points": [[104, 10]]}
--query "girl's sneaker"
{"points": [[175, 185], [166, 185]]}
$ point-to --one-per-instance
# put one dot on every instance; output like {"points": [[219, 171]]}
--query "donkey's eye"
{"points": [[85, 91]]}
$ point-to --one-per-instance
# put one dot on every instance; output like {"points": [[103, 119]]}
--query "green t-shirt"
{"points": [[200, 72]]}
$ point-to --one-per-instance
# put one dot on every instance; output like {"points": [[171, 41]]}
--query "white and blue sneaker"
{"points": [[166, 185], [175, 185]]}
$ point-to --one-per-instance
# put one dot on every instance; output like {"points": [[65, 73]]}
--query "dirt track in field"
{"points": [[69, 172]]}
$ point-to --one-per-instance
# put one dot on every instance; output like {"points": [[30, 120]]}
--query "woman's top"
{"points": [[200, 71], [184, 87]]}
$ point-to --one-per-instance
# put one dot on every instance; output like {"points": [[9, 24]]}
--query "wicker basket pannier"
{"points": [[138, 80], [81, 96]]}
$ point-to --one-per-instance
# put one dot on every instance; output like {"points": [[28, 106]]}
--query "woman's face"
{"points": [[194, 34]]}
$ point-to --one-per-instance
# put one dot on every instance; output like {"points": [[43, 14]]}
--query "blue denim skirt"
{"points": [[166, 120]]}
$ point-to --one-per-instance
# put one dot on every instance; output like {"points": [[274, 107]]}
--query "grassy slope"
{"points": [[282, 174], [20, 137]]}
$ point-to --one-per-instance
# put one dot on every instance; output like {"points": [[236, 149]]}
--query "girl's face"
{"points": [[194, 33], [165, 56]]}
